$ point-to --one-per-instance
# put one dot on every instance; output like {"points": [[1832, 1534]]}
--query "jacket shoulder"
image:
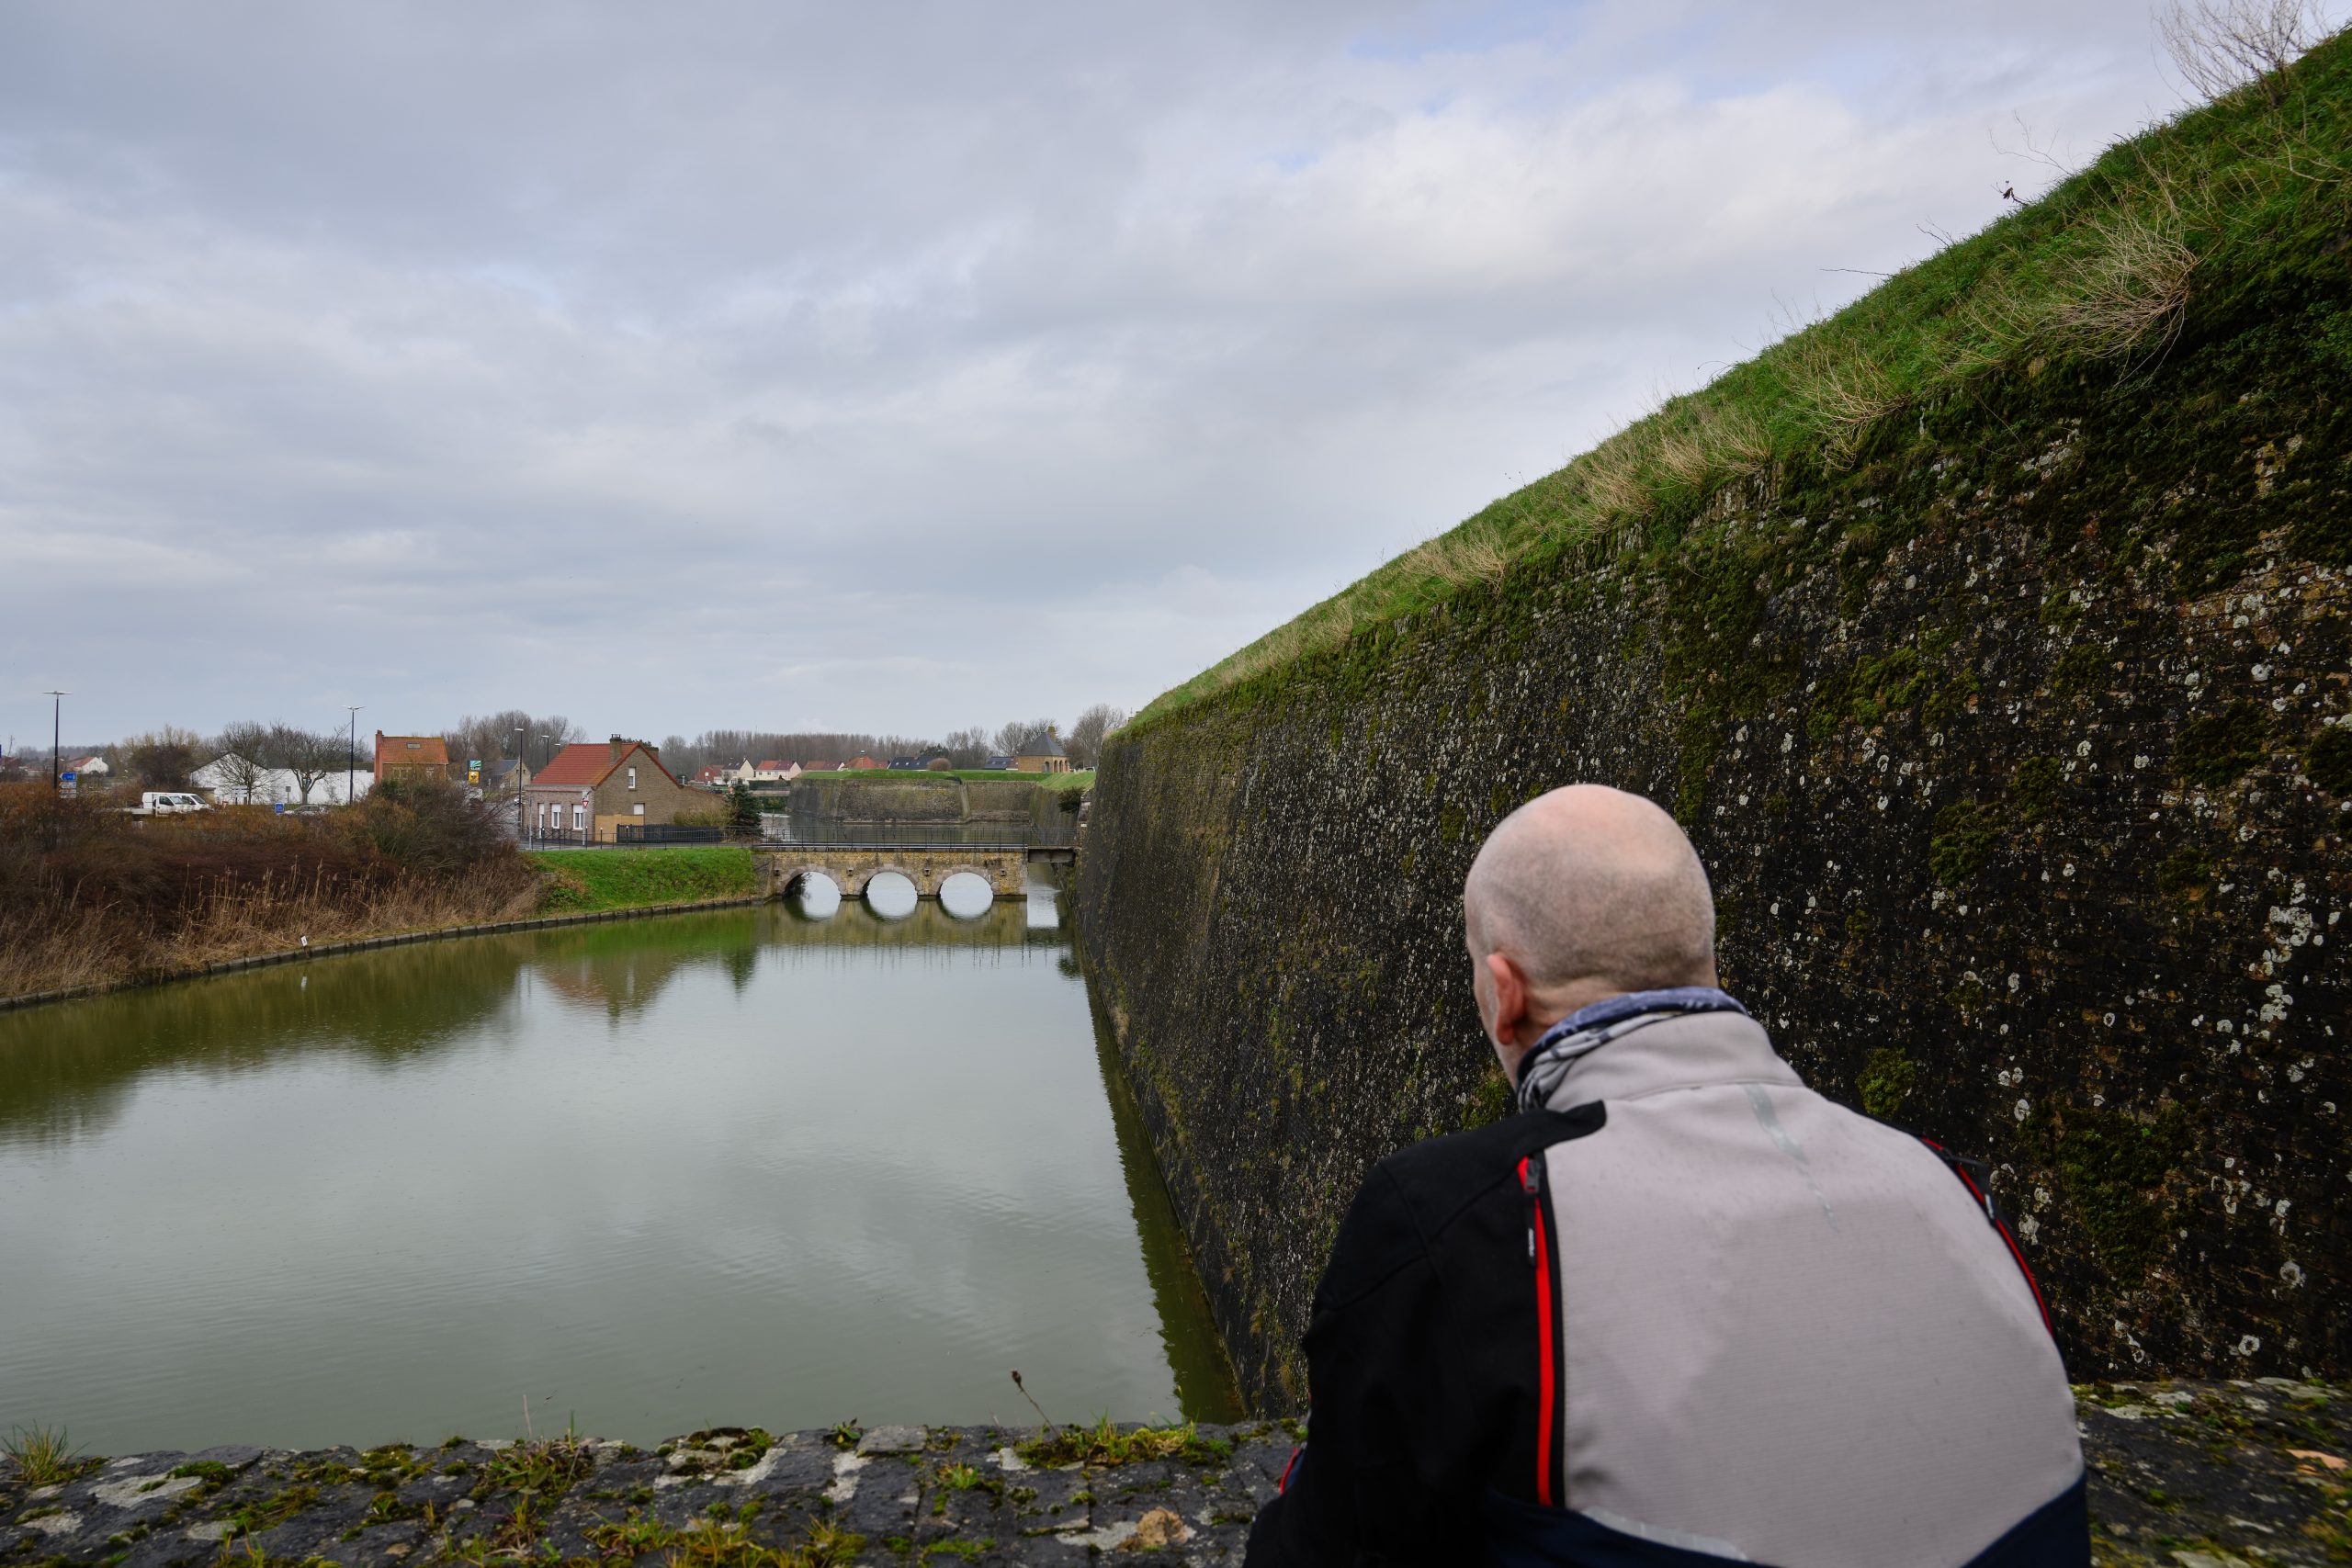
{"points": [[1436, 1179], [1412, 1198]]}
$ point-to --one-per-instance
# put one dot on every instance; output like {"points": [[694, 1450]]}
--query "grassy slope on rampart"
{"points": [[582, 881], [2203, 217]]}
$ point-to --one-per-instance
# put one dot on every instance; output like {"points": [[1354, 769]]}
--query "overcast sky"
{"points": [[888, 367]]}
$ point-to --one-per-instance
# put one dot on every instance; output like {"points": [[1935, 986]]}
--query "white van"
{"points": [[167, 803]]}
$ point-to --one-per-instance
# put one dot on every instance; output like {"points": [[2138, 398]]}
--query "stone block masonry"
{"points": [[2019, 748], [2237, 1472]]}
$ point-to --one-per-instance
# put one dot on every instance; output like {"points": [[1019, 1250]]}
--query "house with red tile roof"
{"points": [[409, 758], [860, 763], [589, 791]]}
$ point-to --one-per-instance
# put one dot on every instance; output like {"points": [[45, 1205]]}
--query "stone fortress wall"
{"points": [[2016, 747]]}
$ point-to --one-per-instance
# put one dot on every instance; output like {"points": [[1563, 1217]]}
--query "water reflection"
{"points": [[745, 1164], [891, 895]]}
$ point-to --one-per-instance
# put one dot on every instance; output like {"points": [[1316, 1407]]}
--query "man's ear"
{"points": [[1509, 988]]}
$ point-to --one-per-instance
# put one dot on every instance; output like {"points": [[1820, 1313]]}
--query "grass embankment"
{"points": [[1077, 778], [2233, 207], [586, 881]]}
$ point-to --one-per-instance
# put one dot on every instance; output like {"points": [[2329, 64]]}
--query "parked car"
{"points": [[167, 803]]}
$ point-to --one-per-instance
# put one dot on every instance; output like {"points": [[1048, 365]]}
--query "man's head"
{"points": [[1584, 892]]}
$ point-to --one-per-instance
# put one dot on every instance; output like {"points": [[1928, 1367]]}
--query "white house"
{"points": [[224, 777]]}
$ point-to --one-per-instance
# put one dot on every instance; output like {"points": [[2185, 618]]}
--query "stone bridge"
{"points": [[1006, 871]]}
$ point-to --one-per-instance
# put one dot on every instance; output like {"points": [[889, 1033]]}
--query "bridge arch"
{"points": [[852, 870], [986, 888], [790, 882]]}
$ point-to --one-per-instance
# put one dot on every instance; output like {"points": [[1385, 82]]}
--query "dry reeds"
{"points": [[84, 944]]}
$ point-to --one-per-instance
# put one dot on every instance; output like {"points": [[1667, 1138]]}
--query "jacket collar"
{"points": [[1650, 1053]]}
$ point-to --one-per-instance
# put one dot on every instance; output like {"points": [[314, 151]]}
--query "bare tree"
{"points": [[966, 747], [2219, 46], [512, 732], [1085, 742], [164, 758], [310, 755], [1011, 738], [242, 765]]}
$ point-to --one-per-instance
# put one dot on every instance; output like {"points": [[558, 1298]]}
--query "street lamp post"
{"points": [[56, 709], [351, 753], [522, 753]]}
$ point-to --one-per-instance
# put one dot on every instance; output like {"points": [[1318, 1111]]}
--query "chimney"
{"points": [[619, 746]]}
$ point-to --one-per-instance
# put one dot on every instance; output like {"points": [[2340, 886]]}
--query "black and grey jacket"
{"points": [[1683, 1311]]}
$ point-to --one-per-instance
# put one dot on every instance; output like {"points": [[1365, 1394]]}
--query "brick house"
{"points": [[1041, 754], [408, 757], [589, 790]]}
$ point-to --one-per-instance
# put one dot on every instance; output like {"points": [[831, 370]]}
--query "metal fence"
{"points": [[778, 827], [665, 833]]}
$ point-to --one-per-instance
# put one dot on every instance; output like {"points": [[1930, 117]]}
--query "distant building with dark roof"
{"points": [[1041, 754]]}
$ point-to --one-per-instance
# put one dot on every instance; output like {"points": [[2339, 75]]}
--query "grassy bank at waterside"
{"points": [[582, 881]]}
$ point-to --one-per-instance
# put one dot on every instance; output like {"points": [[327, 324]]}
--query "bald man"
{"points": [[1678, 1309]]}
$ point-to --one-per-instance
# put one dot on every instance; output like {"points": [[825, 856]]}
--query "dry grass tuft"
{"points": [[1461, 558], [1840, 390]]}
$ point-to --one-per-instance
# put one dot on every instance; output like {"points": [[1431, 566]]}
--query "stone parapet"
{"points": [[2206, 1475]]}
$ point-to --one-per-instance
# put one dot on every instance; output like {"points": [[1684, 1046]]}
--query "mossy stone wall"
{"points": [[2018, 748]]}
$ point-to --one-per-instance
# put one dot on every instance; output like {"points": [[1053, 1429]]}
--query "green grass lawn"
{"points": [[582, 881]]}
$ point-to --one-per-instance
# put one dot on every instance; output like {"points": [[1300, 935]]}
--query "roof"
{"points": [[862, 760], [999, 763], [417, 748], [774, 765], [503, 766], [1042, 746], [589, 762]]}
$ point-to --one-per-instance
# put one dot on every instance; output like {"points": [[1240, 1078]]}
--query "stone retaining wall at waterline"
{"points": [[2182, 1475]]}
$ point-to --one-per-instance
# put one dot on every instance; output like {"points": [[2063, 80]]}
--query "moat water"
{"points": [[748, 1166]]}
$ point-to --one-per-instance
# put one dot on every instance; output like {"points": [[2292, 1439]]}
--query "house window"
{"points": [[579, 817], [638, 808], [632, 781]]}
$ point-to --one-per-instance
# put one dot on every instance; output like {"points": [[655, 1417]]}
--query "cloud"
{"points": [[801, 366]]}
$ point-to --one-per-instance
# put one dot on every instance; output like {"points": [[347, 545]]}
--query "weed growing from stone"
{"points": [[1104, 1444], [271, 1511], [713, 1545], [545, 1469], [44, 1456]]}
